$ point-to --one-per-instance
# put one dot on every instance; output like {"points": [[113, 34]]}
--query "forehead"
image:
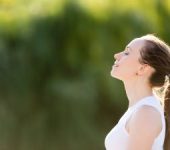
{"points": [[135, 45]]}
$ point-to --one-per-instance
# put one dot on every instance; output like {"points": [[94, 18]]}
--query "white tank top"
{"points": [[117, 138]]}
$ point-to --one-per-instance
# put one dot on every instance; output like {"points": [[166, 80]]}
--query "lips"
{"points": [[115, 65]]}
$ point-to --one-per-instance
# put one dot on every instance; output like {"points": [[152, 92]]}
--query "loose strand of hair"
{"points": [[167, 116]]}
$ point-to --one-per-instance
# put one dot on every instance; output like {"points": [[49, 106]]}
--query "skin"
{"points": [[145, 125]]}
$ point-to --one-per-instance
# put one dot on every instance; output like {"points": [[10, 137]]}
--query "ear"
{"points": [[143, 69]]}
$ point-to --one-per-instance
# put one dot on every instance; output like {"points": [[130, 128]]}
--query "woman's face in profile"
{"points": [[127, 62]]}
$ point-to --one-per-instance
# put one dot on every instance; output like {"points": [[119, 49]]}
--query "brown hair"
{"points": [[156, 53]]}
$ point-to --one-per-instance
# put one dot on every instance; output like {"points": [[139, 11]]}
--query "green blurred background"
{"points": [[56, 92]]}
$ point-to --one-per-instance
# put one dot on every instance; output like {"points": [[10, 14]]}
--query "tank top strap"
{"points": [[149, 101]]}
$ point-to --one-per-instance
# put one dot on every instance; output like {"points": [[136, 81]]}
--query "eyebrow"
{"points": [[127, 47]]}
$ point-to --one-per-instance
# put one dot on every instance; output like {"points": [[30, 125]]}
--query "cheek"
{"points": [[125, 70], [130, 68]]}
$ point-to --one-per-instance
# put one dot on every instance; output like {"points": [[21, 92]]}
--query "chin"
{"points": [[115, 75]]}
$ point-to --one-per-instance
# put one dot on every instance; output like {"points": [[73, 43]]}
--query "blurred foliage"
{"points": [[56, 92]]}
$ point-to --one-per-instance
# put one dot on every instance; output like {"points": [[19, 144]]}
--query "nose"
{"points": [[117, 56]]}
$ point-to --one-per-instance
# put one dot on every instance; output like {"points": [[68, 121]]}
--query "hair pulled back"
{"points": [[156, 53]]}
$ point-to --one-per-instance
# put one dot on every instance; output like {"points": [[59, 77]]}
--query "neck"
{"points": [[136, 91]]}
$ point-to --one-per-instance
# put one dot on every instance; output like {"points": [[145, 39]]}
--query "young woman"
{"points": [[143, 66]]}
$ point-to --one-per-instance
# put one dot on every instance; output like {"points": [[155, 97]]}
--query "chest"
{"points": [[118, 136]]}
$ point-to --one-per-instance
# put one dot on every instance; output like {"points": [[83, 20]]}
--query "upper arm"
{"points": [[144, 126]]}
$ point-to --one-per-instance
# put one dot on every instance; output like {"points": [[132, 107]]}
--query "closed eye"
{"points": [[126, 53]]}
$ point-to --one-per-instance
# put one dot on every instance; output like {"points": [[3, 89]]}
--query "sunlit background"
{"points": [[56, 92]]}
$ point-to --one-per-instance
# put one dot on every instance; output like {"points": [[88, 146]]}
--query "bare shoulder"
{"points": [[144, 126], [146, 121]]}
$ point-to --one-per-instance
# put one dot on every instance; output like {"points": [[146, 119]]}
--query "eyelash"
{"points": [[126, 53]]}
